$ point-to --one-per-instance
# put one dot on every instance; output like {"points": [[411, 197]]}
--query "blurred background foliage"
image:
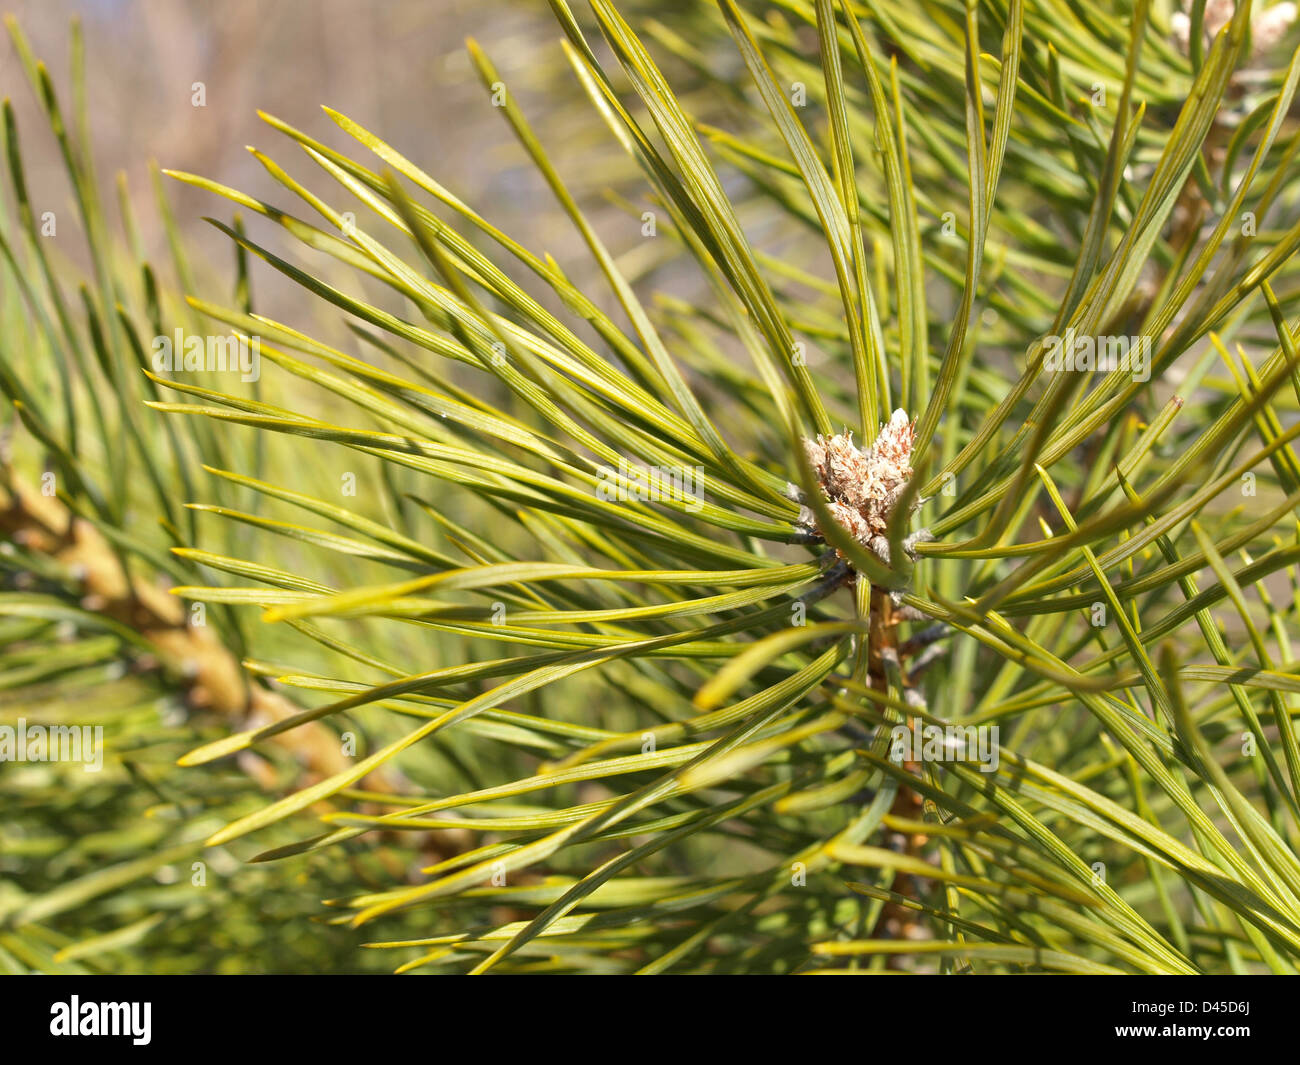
{"points": [[97, 870]]}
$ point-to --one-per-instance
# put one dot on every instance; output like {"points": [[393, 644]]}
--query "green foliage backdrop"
{"points": [[458, 680]]}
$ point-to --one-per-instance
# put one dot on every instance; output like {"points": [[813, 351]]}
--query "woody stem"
{"points": [[883, 641]]}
